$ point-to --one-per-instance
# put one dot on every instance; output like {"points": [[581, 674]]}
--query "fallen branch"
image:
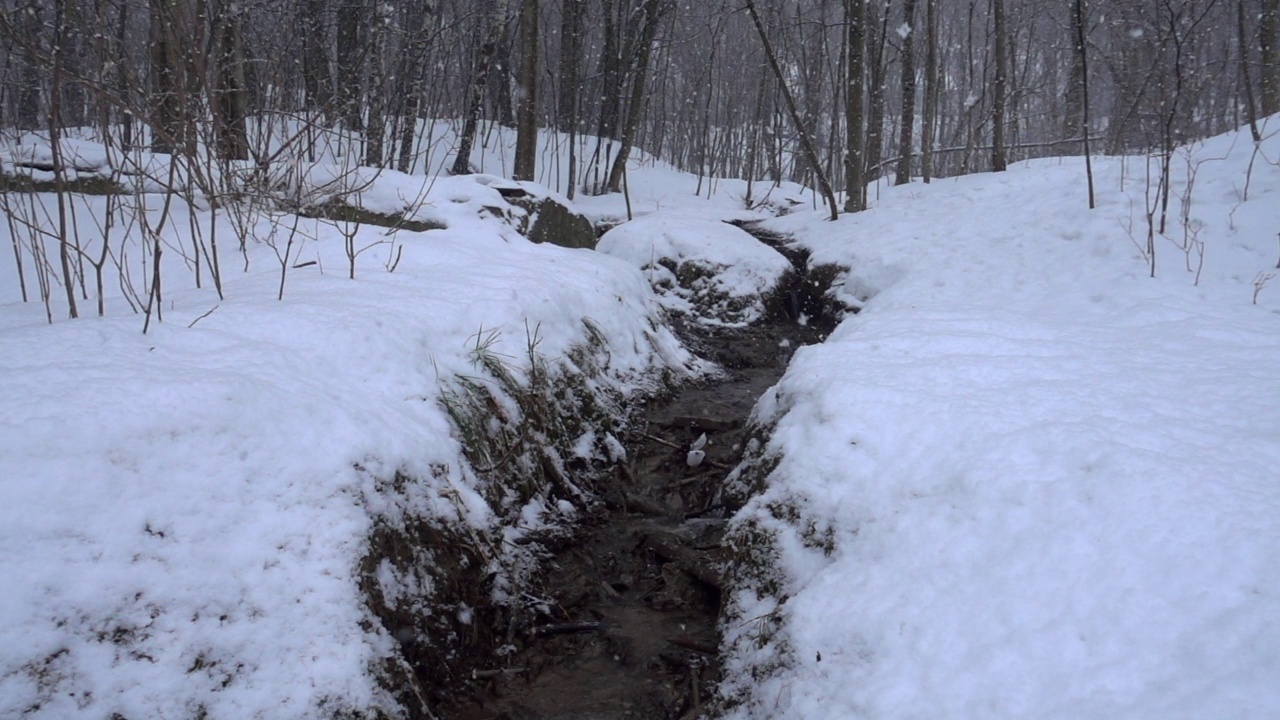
{"points": [[486, 674], [567, 628], [689, 643]]}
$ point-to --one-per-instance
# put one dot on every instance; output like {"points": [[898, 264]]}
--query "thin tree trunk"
{"points": [[855, 183], [905, 134], [1268, 39], [879, 25], [999, 158], [1082, 53], [55, 146]]}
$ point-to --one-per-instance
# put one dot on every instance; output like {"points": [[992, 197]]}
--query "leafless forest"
{"points": [[824, 92]]}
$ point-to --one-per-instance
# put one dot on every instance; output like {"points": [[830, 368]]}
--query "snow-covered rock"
{"points": [[715, 272]]}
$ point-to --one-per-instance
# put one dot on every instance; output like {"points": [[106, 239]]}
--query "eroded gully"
{"points": [[636, 602]]}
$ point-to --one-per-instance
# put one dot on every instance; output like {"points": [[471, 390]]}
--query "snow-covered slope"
{"points": [[183, 514], [1028, 480]]}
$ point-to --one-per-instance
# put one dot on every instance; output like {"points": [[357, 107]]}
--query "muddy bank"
{"points": [[627, 628]]}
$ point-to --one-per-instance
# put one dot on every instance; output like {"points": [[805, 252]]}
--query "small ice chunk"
{"points": [[695, 458]]}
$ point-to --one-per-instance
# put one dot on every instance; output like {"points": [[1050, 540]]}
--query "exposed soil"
{"points": [[635, 604]]}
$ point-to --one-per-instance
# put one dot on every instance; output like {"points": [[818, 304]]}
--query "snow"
{"points": [[1027, 480], [713, 271], [183, 513]]}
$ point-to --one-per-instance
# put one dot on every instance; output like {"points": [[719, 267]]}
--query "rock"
{"points": [[551, 221]]}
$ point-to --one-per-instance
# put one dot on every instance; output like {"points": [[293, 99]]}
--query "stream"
{"points": [[637, 600]]}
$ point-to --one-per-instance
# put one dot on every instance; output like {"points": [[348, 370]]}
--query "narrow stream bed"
{"points": [[636, 602]]}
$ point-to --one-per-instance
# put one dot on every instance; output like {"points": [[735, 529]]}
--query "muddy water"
{"points": [[632, 629]]}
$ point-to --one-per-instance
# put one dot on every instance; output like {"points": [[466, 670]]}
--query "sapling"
{"points": [[1259, 282]]}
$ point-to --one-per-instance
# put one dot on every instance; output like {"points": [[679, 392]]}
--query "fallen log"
{"points": [[669, 548]]}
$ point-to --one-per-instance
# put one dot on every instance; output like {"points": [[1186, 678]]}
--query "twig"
{"points": [[1259, 282], [661, 441], [568, 628], [207, 314], [674, 446], [486, 674]]}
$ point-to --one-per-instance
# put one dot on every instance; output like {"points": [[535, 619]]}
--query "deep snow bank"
{"points": [[186, 516], [1027, 480]]}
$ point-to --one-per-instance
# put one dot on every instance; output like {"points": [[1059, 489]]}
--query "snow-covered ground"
{"points": [[1028, 480]]}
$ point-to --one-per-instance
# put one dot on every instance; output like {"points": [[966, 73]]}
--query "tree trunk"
{"points": [[855, 183], [570, 67], [1082, 52], [932, 91], [165, 103], [500, 81], [527, 109], [905, 146], [1268, 38], [1074, 96], [879, 26], [232, 106], [376, 95], [317, 76], [1246, 83], [1000, 89], [350, 21]]}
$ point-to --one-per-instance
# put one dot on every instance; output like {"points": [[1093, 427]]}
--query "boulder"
{"points": [[550, 218]]}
